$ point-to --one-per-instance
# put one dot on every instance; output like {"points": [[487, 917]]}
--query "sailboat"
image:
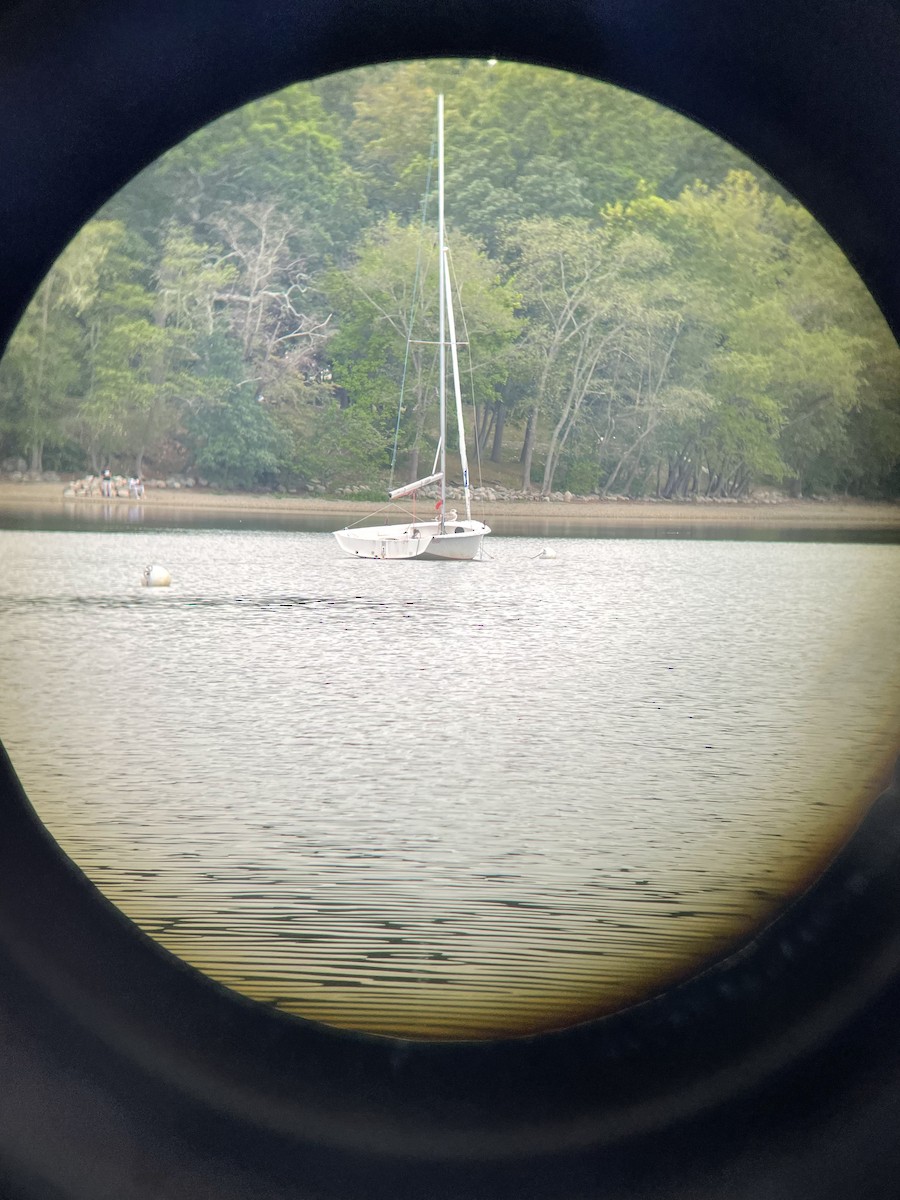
{"points": [[446, 535]]}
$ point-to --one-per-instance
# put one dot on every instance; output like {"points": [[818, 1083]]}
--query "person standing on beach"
{"points": [[106, 483]]}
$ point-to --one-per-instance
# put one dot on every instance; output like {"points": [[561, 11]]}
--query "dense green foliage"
{"points": [[643, 311]]}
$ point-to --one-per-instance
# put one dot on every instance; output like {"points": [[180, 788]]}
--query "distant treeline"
{"points": [[644, 311]]}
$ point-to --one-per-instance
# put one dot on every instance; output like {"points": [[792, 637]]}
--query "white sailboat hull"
{"points": [[459, 541]]}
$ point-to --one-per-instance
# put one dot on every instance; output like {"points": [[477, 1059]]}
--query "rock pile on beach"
{"points": [[90, 485]]}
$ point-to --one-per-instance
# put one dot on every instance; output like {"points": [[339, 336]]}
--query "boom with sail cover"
{"points": [[409, 488]]}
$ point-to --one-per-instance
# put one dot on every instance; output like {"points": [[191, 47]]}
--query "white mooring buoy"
{"points": [[156, 576]]}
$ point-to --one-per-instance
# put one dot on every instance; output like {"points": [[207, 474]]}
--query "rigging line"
{"points": [[384, 507], [428, 387], [468, 345], [412, 308]]}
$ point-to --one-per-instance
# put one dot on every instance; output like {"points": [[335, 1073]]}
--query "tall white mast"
{"points": [[454, 362], [442, 302]]}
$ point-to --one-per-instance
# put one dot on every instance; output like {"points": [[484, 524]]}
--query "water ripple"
{"points": [[434, 799]]}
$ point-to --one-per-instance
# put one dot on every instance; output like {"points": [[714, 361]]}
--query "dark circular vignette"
{"points": [[124, 1073]]}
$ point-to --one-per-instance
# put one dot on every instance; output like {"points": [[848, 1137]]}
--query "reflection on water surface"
{"points": [[117, 516], [447, 799]]}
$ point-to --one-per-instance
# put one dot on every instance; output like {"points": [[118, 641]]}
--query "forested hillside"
{"points": [[645, 312]]}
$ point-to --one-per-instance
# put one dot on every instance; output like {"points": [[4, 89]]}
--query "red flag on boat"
{"points": [[438, 505]]}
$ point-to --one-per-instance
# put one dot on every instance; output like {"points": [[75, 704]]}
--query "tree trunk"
{"points": [[626, 454], [528, 449], [37, 438], [671, 467], [484, 427], [419, 411], [631, 477], [555, 453], [497, 448], [615, 474], [678, 469]]}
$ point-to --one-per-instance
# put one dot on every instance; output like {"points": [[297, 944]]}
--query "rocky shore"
{"points": [[503, 507]]}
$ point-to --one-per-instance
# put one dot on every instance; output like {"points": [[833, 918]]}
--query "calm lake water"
{"points": [[447, 799]]}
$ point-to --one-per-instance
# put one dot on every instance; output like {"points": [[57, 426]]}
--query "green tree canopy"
{"points": [[390, 295], [643, 308]]}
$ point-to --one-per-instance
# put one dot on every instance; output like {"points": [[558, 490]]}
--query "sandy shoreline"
{"points": [[806, 514]]}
